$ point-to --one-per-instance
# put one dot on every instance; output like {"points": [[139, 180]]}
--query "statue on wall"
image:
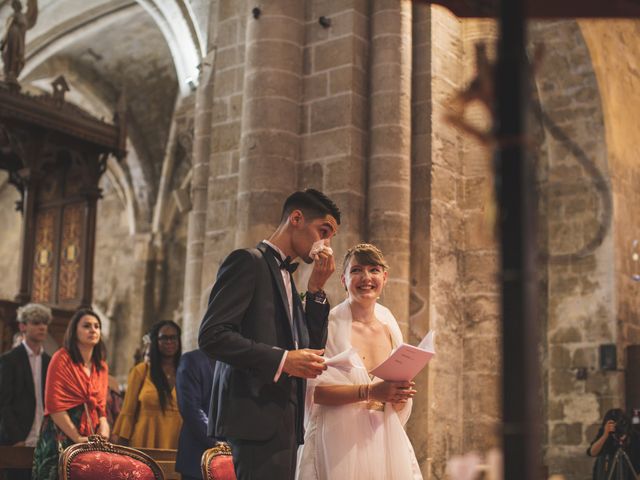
{"points": [[13, 42]]}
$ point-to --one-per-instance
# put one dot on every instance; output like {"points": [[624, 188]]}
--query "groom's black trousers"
{"points": [[274, 459]]}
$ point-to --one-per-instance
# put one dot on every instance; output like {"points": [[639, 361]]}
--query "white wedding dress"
{"points": [[351, 442]]}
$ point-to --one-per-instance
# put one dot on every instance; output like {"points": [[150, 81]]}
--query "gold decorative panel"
{"points": [[70, 249], [43, 263]]}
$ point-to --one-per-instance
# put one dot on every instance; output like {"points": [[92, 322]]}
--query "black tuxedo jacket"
{"points": [[245, 329], [17, 395]]}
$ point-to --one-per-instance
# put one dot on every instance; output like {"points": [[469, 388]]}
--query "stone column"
{"points": [[389, 189], [441, 390], [128, 334], [231, 17], [481, 374], [269, 144], [198, 214], [335, 114], [421, 161]]}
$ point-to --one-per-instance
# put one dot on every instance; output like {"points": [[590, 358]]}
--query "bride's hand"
{"points": [[394, 392]]}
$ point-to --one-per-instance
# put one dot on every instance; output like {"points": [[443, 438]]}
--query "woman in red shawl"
{"points": [[75, 394]]}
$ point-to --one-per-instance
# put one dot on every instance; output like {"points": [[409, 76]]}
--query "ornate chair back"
{"points": [[100, 459], [217, 463]]}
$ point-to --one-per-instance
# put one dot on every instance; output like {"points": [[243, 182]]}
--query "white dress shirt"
{"points": [[286, 278], [35, 360]]}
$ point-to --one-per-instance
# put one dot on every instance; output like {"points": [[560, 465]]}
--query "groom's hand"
{"points": [[323, 268], [304, 363]]}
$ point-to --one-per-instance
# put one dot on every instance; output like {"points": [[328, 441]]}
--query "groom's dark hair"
{"points": [[312, 203]]}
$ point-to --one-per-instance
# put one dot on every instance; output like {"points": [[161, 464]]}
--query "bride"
{"points": [[355, 422]]}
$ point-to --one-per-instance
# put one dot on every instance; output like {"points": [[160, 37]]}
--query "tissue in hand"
{"points": [[318, 247]]}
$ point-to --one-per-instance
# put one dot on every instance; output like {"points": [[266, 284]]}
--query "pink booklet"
{"points": [[406, 361]]}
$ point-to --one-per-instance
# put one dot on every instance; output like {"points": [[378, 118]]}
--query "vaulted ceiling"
{"points": [[148, 49]]}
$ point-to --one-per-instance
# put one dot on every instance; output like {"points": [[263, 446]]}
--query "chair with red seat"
{"points": [[217, 463], [100, 459]]}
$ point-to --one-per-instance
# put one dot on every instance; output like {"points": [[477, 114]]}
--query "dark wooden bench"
{"points": [[166, 459], [22, 457], [16, 457]]}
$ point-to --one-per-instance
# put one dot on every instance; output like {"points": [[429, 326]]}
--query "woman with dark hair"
{"points": [[75, 394], [615, 443], [150, 417]]}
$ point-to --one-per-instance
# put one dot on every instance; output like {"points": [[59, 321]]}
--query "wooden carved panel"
{"points": [[43, 264], [50, 188], [70, 253]]}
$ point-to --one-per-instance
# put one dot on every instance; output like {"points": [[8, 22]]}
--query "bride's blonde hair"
{"points": [[365, 254]]}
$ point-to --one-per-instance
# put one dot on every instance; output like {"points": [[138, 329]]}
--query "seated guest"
{"points": [[193, 386], [355, 423], [23, 372], [150, 417], [75, 394]]}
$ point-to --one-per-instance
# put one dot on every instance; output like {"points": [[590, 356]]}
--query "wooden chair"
{"points": [[100, 459], [217, 463]]}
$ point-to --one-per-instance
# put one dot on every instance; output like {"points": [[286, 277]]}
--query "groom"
{"points": [[266, 342]]}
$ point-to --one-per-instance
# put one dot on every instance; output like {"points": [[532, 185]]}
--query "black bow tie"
{"points": [[288, 266]]}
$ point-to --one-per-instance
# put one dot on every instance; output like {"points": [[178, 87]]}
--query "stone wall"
{"points": [[442, 400], [334, 126], [461, 408], [480, 261], [612, 46], [226, 112], [11, 239], [580, 313], [114, 291]]}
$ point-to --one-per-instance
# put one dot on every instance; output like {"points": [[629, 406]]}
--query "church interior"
{"points": [[141, 141]]}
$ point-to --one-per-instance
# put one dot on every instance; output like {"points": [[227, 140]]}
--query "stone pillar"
{"points": [[128, 334], [388, 196], [231, 17], [420, 217], [269, 143], [482, 349], [335, 113], [198, 214], [444, 390]]}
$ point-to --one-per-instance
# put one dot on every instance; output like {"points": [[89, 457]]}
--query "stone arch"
{"points": [[174, 18], [614, 46], [577, 269]]}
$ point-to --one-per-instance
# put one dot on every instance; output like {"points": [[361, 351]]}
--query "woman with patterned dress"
{"points": [[150, 417], [75, 394]]}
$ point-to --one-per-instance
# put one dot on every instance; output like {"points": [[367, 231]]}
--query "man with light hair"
{"points": [[23, 372]]}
